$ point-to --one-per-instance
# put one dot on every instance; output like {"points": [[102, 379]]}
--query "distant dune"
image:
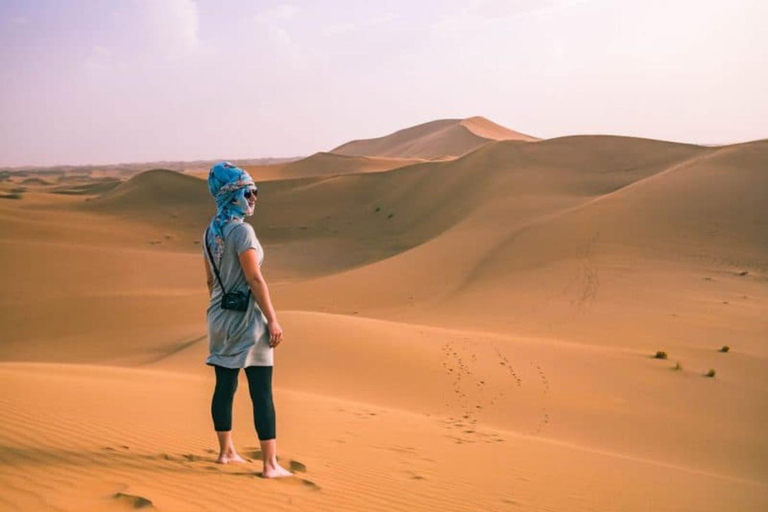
{"points": [[35, 181], [437, 139], [157, 195], [325, 164], [91, 187]]}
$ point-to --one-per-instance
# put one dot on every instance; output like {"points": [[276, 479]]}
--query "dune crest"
{"points": [[487, 129], [445, 138]]}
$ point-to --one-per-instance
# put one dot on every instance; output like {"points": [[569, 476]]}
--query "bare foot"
{"points": [[275, 471], [226, 458]]}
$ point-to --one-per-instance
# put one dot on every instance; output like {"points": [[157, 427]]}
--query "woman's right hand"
{"points": [[275, 334]]}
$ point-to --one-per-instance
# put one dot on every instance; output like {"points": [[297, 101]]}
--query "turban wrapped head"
{"points": [[227, 184]]}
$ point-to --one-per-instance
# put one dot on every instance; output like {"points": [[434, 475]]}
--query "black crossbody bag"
{"points": [[236, 301]]}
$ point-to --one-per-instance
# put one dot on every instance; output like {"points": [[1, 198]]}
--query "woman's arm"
{"points": [[250, 264], [208, 276]]}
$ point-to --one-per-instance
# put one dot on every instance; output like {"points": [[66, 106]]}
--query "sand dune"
{"points": [[561, 264], [709, 207], [87, 188], [154, 189], [437, 139], [478, 200], [325, 164], [374, 216], [495, 311], [34, 181]]}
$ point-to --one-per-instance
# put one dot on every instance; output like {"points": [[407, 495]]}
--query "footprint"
{"points": [[132, 500], [308, 483], [253, 453], [297, 466]]}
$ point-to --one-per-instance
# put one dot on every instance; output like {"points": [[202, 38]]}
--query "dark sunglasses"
{"points": [[251, 192]]}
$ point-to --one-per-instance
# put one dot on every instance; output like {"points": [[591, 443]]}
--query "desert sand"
{"points": [[470, 319]]}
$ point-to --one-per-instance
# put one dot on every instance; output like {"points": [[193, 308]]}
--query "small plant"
{"points": [[378, 209], [390, 215], [725, 348], [677, 366], [711, 373], [660, 355]]}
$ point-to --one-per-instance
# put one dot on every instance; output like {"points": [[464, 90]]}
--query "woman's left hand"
{"points": [[275, 334]]}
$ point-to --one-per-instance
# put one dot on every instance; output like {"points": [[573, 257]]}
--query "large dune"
{"points": [[465, 334], [554, 250], [437, 139]]}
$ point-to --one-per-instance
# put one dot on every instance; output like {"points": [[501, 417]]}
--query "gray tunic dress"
{"points": [[236, 339]]}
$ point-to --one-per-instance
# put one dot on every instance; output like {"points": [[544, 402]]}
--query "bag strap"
{"points": [[210, 258]]}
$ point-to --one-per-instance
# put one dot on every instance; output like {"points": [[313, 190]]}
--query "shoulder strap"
{"points": [[210, 258]]}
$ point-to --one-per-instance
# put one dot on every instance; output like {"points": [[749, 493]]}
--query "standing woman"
{"points": [[244, 335]]}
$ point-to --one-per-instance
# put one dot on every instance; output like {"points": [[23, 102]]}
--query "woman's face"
{"points": [[250, 196], [247, 200]]}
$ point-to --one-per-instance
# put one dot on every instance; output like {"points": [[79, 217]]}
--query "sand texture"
{"points": [[470, 321]]}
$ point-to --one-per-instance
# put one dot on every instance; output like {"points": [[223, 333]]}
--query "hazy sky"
{"points": [[141, 80]]}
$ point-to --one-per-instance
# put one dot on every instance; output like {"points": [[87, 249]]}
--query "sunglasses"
{"points": [[251, 192]]}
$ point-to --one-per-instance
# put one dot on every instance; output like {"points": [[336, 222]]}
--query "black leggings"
{"points": [[260, 387]]}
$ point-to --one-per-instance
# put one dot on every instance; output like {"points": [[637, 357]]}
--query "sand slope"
{"points": [[61, 449], [436, 139]]}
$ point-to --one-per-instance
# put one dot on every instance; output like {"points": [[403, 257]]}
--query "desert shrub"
{"points": [[677, 366], [711, 373], [725, 348], [660, 355]]}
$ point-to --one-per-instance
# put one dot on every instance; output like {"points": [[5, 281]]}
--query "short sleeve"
{"points": [[244, 238]]}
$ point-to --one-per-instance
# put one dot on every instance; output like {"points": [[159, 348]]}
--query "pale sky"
{"points": [[146, 80]]}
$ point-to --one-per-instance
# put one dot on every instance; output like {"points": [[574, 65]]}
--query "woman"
{"points": [[239, 339]]}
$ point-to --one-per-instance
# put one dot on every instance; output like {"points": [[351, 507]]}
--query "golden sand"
{"points": [[472, 333]]}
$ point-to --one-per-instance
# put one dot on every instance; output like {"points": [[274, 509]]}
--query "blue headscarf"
{"points": [[226, 182]]}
